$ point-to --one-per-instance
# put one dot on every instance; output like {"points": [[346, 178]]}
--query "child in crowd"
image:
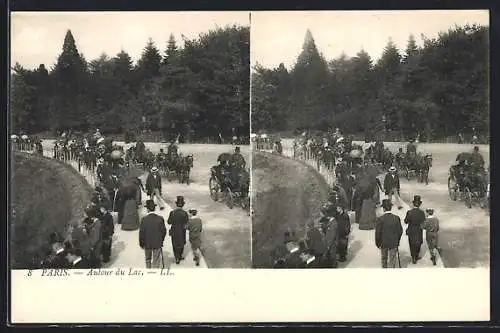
{"points": [[195, 227], [431, 227]]}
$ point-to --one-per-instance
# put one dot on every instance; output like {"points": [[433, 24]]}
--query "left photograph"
{"points": [[129, 137]]}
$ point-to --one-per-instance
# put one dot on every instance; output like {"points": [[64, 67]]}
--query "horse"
{"points": [[184, 165], [423, 163]]}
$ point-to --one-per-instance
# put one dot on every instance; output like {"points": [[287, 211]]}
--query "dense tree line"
{"points": [[199, 90], [436, 90]]}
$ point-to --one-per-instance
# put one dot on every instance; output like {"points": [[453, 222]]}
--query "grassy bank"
{"points": [[46, 196], [287, 195]]}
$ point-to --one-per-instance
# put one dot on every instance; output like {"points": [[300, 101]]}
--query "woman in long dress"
{"points": [[368, 187], [130, 217]]}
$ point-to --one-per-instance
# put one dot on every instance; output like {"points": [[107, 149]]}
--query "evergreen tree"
{"points": [[69, 104], [309, 85]]}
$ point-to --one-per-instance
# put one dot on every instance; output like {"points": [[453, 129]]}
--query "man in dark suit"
{"points": [[107, 231], [153, 185], [76, 259], [152, 234], [178, 219], [415, 219], [392, 186], [388, 232], [56, 254], [344, 229]]}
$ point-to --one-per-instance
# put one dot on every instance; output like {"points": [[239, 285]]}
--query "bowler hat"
{"points": [[386, 204], [180, 201], [417, 200], [150, 204]]}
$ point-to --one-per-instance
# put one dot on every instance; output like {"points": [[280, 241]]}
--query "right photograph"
{"points": [[370, 139]]}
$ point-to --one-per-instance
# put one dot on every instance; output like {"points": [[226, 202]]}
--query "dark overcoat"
{"points": [[152, 231], [178, 220], [388, 231], [415, 219]]}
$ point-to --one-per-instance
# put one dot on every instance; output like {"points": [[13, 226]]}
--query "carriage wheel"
{"points": [[229, 198], [214, 188], [452, 189], [468, 197]]}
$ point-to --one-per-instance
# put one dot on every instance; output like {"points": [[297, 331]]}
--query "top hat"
{"points": [[417, 200], [180, 201], [150, 204], [386, 204]]}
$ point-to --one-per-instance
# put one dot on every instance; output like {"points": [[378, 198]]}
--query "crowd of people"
{"points": [[88, 243], [326, 241]]}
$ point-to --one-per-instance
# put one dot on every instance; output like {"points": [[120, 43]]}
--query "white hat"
{"points": [[101, 139], [24, 136], [154, 169], [13, 136], [340, 139], [392, 169]]}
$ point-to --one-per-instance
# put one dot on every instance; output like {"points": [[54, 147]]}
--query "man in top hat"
{"points": [[56, 255], [153, 185], [344, 229], [307, 258], [152, 234], [415, 218], [195, 227], [237, 159], [477, 160], [392, 186], [388, 232], [107, 231], [314, 240], [178, 219], [287, 254], [329, 227], [93, 227], [76, 259]]}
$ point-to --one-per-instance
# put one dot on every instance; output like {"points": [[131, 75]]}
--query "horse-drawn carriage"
{"points": [[469, 183], [416, 165], [229, 183]]}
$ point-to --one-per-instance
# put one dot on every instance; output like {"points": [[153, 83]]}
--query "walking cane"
{"points": [[162, 261], [399, 260], [114, 199]]}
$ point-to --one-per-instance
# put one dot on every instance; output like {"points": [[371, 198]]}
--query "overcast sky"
{"points": [[37, 37], [278, 36]]}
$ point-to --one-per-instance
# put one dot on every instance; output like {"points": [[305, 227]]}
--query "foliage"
{"points": [[200, 89], [435, 90]]}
